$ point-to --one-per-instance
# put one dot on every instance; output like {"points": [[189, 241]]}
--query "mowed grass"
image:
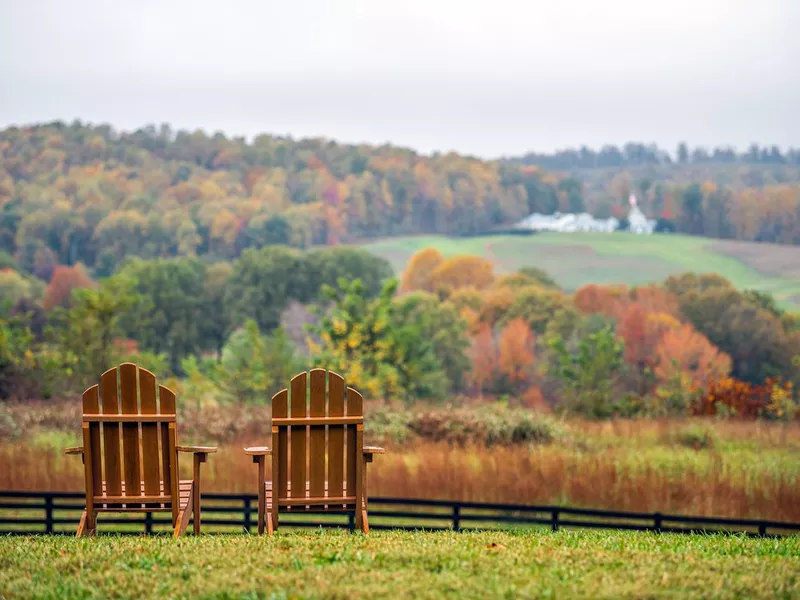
{"points": [[338, 564], [575, 259]]}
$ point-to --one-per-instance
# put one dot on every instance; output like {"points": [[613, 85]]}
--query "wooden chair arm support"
{"points": [[370, 451], [197, 449], [259, 454], [75, 450], [258, 451]]}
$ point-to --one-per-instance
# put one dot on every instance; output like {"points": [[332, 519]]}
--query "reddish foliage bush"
{"points": [[745, 400]]}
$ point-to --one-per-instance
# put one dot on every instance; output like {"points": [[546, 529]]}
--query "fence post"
{"points": [[457, 517], [351, 521], [247, 511], [657, 522], [148, 522], [555, 519], [48, 513]]}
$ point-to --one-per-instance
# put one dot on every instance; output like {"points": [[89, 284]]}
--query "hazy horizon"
{"points": [[490, 80]]}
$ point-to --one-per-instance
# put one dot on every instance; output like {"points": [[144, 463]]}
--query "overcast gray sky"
{"points": [[492, 77]]}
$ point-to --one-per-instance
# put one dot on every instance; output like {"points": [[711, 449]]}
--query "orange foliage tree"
{"points": [[463, 272], [516, 353], [688, 352], [484, 359], [419, 272], [63, 282], [605, 300]]}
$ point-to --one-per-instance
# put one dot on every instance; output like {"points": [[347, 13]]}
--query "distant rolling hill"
{"points": [[574, 259]]}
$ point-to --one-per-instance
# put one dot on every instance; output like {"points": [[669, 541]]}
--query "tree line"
{"points": [[450, 327], [635, 154]]}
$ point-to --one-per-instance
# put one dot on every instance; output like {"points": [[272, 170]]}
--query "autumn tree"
{"points": [[759, 343], [485, 361], [516, 353], [361, 339], [684, 350], [606, 300], [64, 281], [462, 272], [418, 274]]}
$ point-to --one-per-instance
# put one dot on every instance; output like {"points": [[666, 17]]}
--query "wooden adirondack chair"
{"points": [[336, 477], [119, 481]]}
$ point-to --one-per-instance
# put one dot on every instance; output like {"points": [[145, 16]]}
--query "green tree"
{"points": [[254, 366], [539, 277], [428, 318], [261, 284], [328, 265], [588, 372], [167, 316], [17, 357], [86, 332], [215, 326], [537, 306]]}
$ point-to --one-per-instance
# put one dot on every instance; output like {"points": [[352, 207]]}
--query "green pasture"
{"points": [[575, 259]]}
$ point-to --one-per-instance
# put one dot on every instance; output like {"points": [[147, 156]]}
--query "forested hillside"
{"points": [[90, 194], [75, 193]]}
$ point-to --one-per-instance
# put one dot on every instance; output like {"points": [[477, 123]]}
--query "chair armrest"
{"points": [[258, 451], [75, 450], [197, 449], [371, 451]]}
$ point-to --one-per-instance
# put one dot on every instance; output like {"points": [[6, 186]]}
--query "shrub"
{"points": [[696, 437], [489, 425]]}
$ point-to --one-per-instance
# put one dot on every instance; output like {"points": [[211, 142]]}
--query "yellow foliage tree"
{"points": [[463, 272], [419, 272]]}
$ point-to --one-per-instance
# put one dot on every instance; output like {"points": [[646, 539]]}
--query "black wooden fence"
{"points": [[24, 513]]}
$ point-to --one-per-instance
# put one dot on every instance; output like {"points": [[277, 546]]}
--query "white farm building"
{"points": [[570, 222]]}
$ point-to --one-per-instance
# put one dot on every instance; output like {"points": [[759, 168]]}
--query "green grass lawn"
{"points": [[575, 259], [337, 564]]}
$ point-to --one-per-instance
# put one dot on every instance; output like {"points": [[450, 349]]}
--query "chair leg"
{"points": [[262, 501], [183, 518], [272, 527], [198, 458], [81, 525], [88, 525], [196, 509], [364, 521]]}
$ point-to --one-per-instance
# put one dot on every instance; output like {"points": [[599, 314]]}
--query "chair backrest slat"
{"points": [[355, 407], [280, 409], [335, 436], [110, 406], [299, 402], [316, 442], [169, 452], [150, 431], [129, 402], [91, 404]]}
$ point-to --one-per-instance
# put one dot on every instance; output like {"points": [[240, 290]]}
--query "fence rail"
{"points": [[25, 513]]}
